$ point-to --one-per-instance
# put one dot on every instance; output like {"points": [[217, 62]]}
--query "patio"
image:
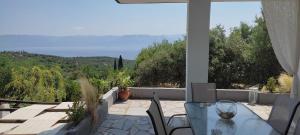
{"points": [[130, 117]]}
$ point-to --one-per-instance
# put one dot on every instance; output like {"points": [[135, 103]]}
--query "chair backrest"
{"points": [[157, 101], [297, 129], [156, 119], [294, 123], [204, 92], [281, 113]]}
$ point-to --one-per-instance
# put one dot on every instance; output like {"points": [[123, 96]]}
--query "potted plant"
{"points": [[123, 82]]}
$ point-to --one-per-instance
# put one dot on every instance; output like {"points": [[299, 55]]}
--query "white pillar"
{"points": [[197, 44]]}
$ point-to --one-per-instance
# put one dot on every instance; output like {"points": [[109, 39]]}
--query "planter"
{"points": [[123, 95], [85, 127]]}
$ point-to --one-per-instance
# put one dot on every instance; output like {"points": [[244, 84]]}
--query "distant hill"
{"points": [[70, 46], [68, 64]]}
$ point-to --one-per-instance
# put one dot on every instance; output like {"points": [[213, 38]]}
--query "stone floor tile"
{"points": [[143, 133], [118, 124], [127, 125], [133, 130], [117, 131]]}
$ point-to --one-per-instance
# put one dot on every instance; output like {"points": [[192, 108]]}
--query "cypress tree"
{"points": [[115, 64], [120, 63]]}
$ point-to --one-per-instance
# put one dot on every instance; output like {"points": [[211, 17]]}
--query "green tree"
{"points": [[115, 64], [5, 78], [20, 84], [162, 63], [36, 84], [264, 62], [72, 90], [120, 62]]}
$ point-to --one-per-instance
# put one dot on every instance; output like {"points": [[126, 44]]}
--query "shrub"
{"points": [[285, 82], [72, 90], [76, 113], [271, 84], [101, 85]]}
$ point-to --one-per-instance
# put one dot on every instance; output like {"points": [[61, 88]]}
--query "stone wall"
{"points": [[240, 95], [85, 126], [163, 93]]}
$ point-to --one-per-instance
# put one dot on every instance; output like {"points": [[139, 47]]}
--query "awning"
{"points": [[172, 1]]}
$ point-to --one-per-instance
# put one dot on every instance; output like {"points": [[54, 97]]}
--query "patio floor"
{"points": [[130, 118]]}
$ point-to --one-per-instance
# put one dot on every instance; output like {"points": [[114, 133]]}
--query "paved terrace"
{"points": [[130, 118]]}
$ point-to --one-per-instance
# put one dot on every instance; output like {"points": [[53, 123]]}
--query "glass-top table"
{"points": [[205, 121]]}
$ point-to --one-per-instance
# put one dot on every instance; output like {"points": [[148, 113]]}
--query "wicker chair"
{"points": [[282, 113], [173, 118], [204, 92], [160, 127]]}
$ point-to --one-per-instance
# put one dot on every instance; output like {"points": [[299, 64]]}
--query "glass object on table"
{"points": [[253, 94], [226, 109], [224, 127]]}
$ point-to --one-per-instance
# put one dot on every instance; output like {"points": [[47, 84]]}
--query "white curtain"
{"points": [[283, 22]]}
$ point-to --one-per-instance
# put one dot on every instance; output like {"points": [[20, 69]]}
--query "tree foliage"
{"points": [[161, 63], [244, 57], [34, 77], [36, 84], [120, 63]]}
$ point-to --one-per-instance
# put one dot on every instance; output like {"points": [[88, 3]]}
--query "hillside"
{"points": [[68, 64]]}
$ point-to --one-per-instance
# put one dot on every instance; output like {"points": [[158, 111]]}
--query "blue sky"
{"points": [[106, 17]]}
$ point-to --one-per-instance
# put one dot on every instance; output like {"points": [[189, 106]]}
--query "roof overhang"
{"points": [[172, 1]]}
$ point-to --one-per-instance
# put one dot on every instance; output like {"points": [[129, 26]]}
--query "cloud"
{"points": [[78, 28]]}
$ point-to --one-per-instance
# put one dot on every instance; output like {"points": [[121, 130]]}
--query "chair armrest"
{"points": [[173, 117], [178, 128]]}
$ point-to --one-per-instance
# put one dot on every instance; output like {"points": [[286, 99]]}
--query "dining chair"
{"points": [[294, 123], [204, 92], [297, 129], [160, 127], [173, 117], [282, 112]]}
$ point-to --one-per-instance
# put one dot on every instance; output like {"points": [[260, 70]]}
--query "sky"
{"points": [[106, 17]]}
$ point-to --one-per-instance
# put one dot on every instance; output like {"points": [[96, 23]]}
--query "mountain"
{"points": [[72, 46]]}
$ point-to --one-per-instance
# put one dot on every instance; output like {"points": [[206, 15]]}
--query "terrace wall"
{"points": [[240, 95], [85, 126]]}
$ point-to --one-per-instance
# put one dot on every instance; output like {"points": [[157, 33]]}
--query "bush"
{"points": [[101, 85], [161, 63], [271, 84], [77, 112], [72, 90], [285, 82]]}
